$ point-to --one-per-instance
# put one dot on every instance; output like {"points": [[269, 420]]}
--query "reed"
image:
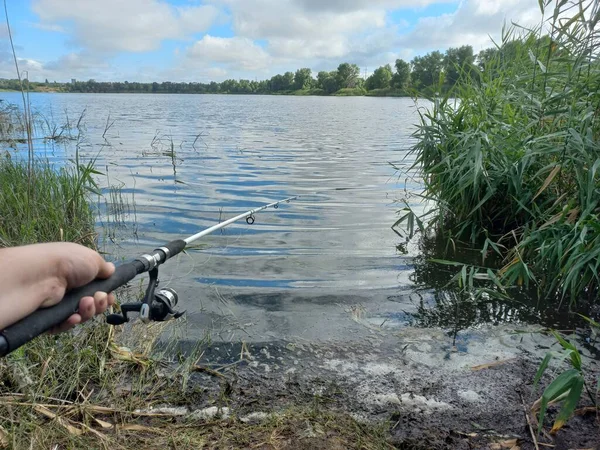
{"points": [[511, 156]]}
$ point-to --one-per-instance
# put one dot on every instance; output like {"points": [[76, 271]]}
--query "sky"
{"points": [[212, 40]]}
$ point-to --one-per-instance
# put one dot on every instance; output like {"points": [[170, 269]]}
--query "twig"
{"points": [[535, 443], [585, 410], [214, 373], [227, 366], [90, 409], [199, 136], [108, 126], [13, 395]]}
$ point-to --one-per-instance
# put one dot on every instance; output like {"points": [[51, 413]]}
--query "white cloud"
{"points": [[26, 66], [131, 25], [76, 64], [354, 5], [216, 73], [299, 49], [237, 51], [472, 24], [270, 36], [301, 33], [48, 27], [264, 19]]}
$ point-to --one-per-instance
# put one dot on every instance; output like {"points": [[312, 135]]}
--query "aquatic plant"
{"points": [[511, 156]]}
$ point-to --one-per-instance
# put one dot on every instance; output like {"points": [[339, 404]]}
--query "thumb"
{"points": [[106, 270]]}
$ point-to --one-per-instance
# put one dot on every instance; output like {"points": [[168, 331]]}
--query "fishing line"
{"points": [[157, 304]]}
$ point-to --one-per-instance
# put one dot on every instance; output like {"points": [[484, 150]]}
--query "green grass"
{"points": [[348, 92], [387, 92], [313, 91], [50, 204], [83, 376], [514, 166]]}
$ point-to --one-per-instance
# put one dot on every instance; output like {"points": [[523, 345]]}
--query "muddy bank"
{"points": [[428, 391]]}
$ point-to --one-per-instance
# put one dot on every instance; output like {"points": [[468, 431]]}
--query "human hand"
{"points": [[38, 276]]}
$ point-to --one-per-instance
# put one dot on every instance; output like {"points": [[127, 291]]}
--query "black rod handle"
{"points": [[44, 319]]}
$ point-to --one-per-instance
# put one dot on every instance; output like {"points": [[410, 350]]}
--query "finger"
{"points": [[67, 324], [111, 299], [100, 302], [106, 269], [87, 308]]}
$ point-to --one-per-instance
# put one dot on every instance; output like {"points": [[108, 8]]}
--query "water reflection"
{"points": [[442, 304]]}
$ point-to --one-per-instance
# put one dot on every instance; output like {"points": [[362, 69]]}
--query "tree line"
{"points": [[425, 74]]}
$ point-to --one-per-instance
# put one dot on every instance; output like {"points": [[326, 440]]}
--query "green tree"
{"points": [[457, 61], [486, 57], [347, 75], [328, 81], [288, 80], [380, 79], [229, 86], [303, 79], [276, 83], [426, 69], [402, 75]]}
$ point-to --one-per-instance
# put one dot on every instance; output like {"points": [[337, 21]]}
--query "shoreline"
{"points": [[422, 391], [291, 94]]}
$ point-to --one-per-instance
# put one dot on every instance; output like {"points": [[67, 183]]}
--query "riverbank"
{"points": [[409, 389], [301, 92]]}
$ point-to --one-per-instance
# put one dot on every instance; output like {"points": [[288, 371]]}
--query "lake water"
{"points": [[326, 266]]}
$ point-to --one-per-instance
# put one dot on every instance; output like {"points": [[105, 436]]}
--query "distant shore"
{"points": [[301, 93]]}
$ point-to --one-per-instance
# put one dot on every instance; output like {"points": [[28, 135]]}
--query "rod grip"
{"points": [[44, 319], [175, 247]]}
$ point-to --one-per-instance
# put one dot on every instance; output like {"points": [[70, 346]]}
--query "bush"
{"points": [[515, 164], [387, 92], [347, 92]]}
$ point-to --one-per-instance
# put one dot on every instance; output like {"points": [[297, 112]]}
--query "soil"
{"points": [[428, 390]]}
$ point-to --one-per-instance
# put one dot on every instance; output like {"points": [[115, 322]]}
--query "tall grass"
{"points": [[514, 163], [56, 207]]}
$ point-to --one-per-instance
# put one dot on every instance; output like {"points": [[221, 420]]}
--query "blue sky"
{"points": [[193, 40]]}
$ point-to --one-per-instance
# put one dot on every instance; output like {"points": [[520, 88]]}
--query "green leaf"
{"points": [[542, 66], [569, 405], [572, 20], [590, 321], [575, 356], [446, 262], [542, 369], [463, 277], [559, 386]]}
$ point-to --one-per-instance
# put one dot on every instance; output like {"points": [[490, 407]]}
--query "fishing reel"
{"points": [[157, 305]]}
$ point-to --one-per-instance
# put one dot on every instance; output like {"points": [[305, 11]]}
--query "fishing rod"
{"points": [[157, 305]]}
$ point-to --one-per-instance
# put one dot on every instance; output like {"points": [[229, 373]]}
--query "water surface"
{"points": [[327, 266]]}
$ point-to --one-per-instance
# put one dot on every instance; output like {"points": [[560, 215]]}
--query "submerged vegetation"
{"points": [[514, 165]]}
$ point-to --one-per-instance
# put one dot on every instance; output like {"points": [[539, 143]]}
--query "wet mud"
{"points": [[428, 390]]}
